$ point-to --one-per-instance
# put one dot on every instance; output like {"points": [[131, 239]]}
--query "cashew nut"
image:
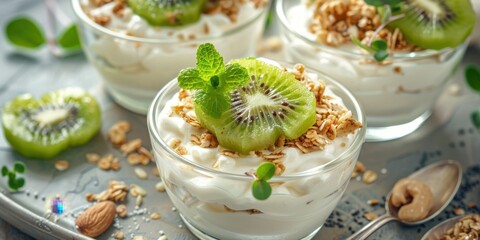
{"points": [[413, 197]]}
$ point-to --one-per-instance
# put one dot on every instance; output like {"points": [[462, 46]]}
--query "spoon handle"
{"points": [[368, 229]]}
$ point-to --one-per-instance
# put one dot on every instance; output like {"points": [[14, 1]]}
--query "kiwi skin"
{"points": [[450, 31], [32, 145]]}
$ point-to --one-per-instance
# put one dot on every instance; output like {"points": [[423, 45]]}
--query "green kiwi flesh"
{"points": [[42, 128], [168, 12], [271, 104], [435, 24]]}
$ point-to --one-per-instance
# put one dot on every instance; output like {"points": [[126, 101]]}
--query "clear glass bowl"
{"points": [[205, 198], [397, 96], [134, 69]]}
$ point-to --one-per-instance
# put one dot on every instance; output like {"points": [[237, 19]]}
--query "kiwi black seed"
{"points": [[271, 104], [168, 12], [435, 24], [43, 128]]}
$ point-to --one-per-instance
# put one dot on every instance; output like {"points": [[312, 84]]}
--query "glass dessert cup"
{"points": [[134, 69], [215, 204], [397, 95]]}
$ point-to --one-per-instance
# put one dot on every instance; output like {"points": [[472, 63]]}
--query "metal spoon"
{"points": [[443, 178], [438, 231]]}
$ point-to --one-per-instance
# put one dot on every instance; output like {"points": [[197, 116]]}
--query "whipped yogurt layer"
{"points": [[135, 70], [213, 194], [396, 91]]}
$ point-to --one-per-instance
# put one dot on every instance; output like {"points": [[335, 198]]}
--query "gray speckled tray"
{"points": [[448, 134]]}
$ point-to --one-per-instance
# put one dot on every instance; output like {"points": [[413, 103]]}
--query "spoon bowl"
{"points": [[443, 178], [438, 231]]}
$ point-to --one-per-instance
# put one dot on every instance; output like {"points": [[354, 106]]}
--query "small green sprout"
{"points": [[14, 182], [261, 189]]}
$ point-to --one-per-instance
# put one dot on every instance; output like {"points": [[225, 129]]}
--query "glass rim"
{"points": [[285, 23], [357, 142], [77, 8]]}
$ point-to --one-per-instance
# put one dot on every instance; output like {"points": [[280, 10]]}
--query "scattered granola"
{"points": [[122, 210], [119, 235], [458, 211], [116, 192], [92, 157], [140, 173], [155, 216], [61, 165], [370, 216], [369, 176]]}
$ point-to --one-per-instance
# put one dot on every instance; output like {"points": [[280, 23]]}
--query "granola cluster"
{"points": [[332, 121], [335, 22]]}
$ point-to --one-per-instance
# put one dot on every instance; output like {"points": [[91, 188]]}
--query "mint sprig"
{"points": [[261, 189], [472, 76], [211, 80], [14, 182]]}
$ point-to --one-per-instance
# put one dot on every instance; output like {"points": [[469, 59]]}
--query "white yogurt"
{"points": [[135, 71], [393, 93], [297, 207]]}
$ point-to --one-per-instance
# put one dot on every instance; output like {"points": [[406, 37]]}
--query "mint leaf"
{"points": [[24, 32], [265, 171], [4, 171], [19, 167], [190, 79], [209, 61], [212, 102], [69, 39], [18, 183], [472, 75], [261, 190], [234, 76]]}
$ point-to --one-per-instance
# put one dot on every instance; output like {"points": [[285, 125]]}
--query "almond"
{"points": [[96, 219]]}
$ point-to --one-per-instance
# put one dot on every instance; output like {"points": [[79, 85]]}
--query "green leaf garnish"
{"points": [[211, 80], [261, 189], [472, 75], [378, 48], [69, 39], [476, 119], [24, 32], [19, 167], [212, 102], [13, 182], [265, 171]]}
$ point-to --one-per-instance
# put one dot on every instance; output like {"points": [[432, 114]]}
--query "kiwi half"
{"points": [[168, 12], [58, 120], [271, 104], [435, 24]]}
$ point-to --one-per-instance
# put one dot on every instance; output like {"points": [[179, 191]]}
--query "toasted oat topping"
{"points": [[336, 22], [230, 8], [332, 121], [467, 228]]}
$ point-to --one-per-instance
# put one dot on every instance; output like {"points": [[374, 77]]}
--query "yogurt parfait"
{"points": [[395, 56], [137, 46], [254, 149]]}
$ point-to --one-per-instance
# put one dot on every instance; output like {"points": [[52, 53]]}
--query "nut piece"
{"points": [[96, 219], [61, 165], [122, 211], [369, 176], [413, 198], [141, 173]]}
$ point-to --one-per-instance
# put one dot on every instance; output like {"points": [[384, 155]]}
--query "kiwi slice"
{"points": [[271, 104], [435, 24], [168, 12], [42, 128]]}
